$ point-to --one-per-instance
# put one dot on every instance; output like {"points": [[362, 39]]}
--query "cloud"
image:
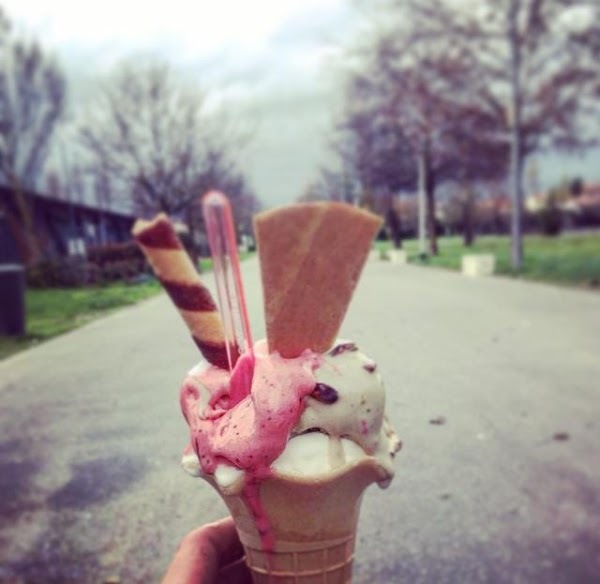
{"points": [[261, 61]]}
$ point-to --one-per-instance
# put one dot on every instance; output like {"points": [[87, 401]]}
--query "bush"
{"points": [[73, 273], [118, 261], [550, 218], [114, 252], [108, 263], [59, 273]]}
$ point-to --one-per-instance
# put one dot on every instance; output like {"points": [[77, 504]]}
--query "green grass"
{"points": [[53, 311], [569, 259], [206, 264]]}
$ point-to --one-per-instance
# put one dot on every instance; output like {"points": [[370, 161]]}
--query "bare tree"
{"points": [[460, 212], [32, 97], [155, 137], [537, 66], [313, 191], [370, 143], [375, 157], [424, 97], [332, 184], [223, 174]]}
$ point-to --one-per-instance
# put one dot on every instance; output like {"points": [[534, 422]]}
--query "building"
{"points": [[579, 207], [587, 203], [63, 228]]}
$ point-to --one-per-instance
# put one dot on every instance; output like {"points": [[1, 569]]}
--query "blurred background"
{"points": [[479, 118], [471, 126]]}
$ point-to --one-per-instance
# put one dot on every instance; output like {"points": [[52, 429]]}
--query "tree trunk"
{"points": [[468, 231], [31, 251], [422, 171], [516, 146], [393, 223], [468, 218], [430, 200], [191, 223]]}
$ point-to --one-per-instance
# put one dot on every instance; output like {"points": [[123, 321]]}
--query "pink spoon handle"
{"points": [[226, 264]]}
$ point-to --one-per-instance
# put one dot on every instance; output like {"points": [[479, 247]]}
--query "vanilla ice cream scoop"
{"points": [[303, 417]]}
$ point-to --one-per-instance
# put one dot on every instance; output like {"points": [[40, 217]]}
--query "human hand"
{"points": [[211, 554]]}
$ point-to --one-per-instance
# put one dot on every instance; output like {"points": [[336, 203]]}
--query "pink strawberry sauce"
{"points": [[249, 417]]}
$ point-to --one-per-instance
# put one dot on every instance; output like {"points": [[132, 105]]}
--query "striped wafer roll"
{"points": [[176, 272]]}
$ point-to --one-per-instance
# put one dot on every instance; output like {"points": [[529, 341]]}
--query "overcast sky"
{"points": [[274, 61]]}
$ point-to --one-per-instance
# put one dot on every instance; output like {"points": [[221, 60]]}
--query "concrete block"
{"points": [[482, 264], [397, 256]]}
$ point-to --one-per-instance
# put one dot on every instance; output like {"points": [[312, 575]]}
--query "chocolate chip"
{"points": [[325, 393], [561, 436], [342, 348], [439, 421], [313, 430]]}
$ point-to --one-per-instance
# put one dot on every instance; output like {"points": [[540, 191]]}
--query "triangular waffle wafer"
{"points": [[311, 256]]}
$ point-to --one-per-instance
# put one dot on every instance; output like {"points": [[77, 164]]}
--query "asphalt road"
{"points": [[493, 386]]}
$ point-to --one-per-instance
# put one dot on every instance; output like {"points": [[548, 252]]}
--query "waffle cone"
{"points": [[313, 524]]}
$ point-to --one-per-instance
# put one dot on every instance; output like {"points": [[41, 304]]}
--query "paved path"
{"points": [[91, 435]]}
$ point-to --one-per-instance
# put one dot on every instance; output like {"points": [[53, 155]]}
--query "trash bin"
{"points": [[12, 299]]}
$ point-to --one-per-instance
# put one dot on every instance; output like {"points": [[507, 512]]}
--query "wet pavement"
{"points": [[492, 384]]}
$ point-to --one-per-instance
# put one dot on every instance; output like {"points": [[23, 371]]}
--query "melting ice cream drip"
{"points": [[267, 416]]}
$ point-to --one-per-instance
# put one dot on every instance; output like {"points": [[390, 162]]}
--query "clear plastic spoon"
{"points": [[230, 291]]}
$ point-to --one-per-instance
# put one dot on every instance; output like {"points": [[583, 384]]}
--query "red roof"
{"points": [[590, 195]]}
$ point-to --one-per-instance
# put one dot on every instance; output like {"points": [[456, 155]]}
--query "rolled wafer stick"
{"points": [[175, 271]]}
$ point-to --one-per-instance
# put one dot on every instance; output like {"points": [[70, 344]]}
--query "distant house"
{"points": [[493, 213], [579, 209], [63, 228], [588, 204]]}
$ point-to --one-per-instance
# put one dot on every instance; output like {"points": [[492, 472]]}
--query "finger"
{"points": [[192, 563], [224, 539], [202, 552]]}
